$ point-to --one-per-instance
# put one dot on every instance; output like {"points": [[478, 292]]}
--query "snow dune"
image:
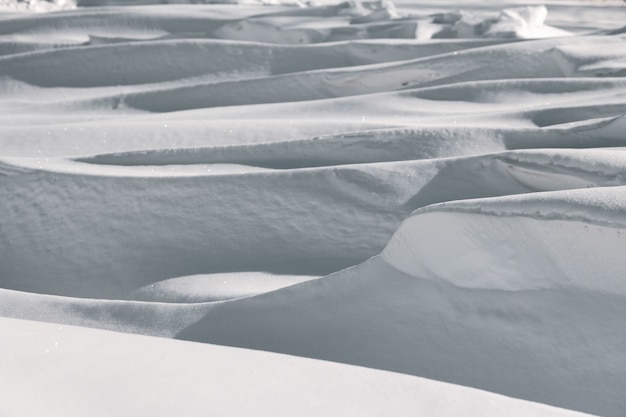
{"points": [[435, 190], [199, 378]]}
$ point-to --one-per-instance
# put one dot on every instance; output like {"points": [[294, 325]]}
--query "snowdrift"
{"points": [[435, 193], [84, 363], [488, 293]]}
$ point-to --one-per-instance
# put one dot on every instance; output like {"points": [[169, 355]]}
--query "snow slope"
{"points": [[522, 296], [436, 190], [196, 379]]}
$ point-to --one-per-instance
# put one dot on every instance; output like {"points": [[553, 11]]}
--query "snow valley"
{"points": [[312, 208]]}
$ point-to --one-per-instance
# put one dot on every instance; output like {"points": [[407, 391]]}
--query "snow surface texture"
{"points": [[437, 191]]}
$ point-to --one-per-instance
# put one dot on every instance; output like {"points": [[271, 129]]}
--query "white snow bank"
{"points": [[68, 370], [560, 346], [216, 287], [525, 23], [564, 240], [163, 319], [517, 22], [164, 82], [303, 221], [522, 296]]}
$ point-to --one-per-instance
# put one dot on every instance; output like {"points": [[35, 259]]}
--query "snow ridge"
{"points": [[418, 189]]}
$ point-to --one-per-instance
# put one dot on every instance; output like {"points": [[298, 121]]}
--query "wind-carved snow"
{"points": [[436, 190], [542, 241]]}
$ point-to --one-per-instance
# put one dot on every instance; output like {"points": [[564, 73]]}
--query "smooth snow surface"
{"points": [[138, 375], [435, 189]]}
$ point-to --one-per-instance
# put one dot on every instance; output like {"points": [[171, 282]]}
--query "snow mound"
{"points": [[524, 23], [488, 293], [68, 368], [566, 240], [37, 5], [216, 287], [517, 22]]}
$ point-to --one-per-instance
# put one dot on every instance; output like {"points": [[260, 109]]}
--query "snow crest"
{"points": [[562, 240]]}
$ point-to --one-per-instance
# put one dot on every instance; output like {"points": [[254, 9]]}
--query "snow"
{"points": [[129, 374], [564, 240], [360, 208]]}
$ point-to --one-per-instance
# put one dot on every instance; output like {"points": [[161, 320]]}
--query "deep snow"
{"points": [[436, 190]]}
